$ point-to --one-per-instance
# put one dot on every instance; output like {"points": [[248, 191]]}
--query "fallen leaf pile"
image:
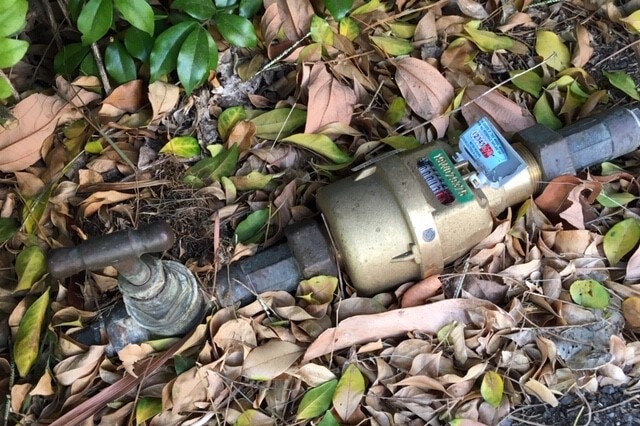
{"points": [[547, 304]]}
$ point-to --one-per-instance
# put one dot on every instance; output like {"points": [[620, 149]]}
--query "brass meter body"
{"points": [[409, 215]]}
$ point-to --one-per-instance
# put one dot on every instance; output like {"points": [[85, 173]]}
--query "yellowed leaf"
{"points": [[367, 328], [508, 116], [631, 311], [38, 116], [426, 91], [163, 98], [329, 100]]}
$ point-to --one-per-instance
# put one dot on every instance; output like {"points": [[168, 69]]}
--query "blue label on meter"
{"points": [[488, 151]]}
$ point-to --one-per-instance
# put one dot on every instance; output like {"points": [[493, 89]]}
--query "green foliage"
{"points": [[317, 400], [27, 342], [175, 40]]}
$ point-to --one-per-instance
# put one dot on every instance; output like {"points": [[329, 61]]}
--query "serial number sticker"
{"points": [[450, 175]]}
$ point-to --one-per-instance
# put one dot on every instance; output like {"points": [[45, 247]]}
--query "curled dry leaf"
{"points": [[472, 9], [295, 17], [583, 51], [536, 388], [426, 91], [38, 116], [420, 292], [508, 116], [78, 366], [98, 199], [329, 100], [367, 328], [127, 97], [163, 98]]}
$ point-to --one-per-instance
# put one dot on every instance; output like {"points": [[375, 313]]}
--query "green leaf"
{"points": [[402, 29], [228, 119], [320, 144], [492, 388], [486, 40], [338, 8], [8, 227], [590, 294], [392, 46], [68, 59], [328, 420], [279, 122], [31, 265], [544, 114], [212, 169], [349, 28], [528, 81], [202, 10], [621, 239], [182, 146], [119, 64], [138, 43], [349, 392], [74, 8], [5, 88], [316, 400], [397, 110], [146, 408], [13, 19], [138, 13], [253, 180], [236, 30], [608, 169], [249, 230], [33, 210], [253, 417], [401, 142], [553, 50], [95, 20], [27, 343], [94, 147], [248, 8], [369, 7], [623, 81], [615, 199], [321, 31], [193, 59], [89, 66], [164, 54], [11, 51]]}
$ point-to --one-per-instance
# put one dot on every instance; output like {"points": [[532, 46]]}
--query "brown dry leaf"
{"points": [[128, 97], [562, 199], [76, 367], [98, 199], [163, 98], [426, 91], [534, 387], [38, 116], [508, 116], [631, 311], [329, 100], [515, 20], [295, 17], [472, 9], [367, 328], [422, 291], [583, 50], [243, 134], [426, 29], [271, 359], [44, 387]]}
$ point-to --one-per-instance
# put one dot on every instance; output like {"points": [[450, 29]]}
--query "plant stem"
{"points": [[101, 70]]}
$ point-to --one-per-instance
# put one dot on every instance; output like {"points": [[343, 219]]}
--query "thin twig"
{"points": [[616, 53], [103, 73]]}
